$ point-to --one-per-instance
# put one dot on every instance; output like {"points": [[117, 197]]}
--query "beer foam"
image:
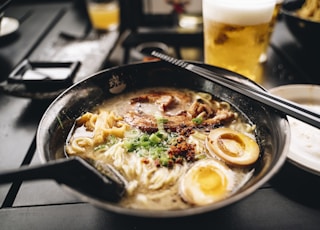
{"points": [[244, 12]]}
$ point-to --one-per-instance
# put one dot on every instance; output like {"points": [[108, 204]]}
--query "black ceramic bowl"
{"points": [[272, 126], [306, 32]]}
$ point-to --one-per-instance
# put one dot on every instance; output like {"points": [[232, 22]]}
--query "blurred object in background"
{"points": [[303, 20], [178, 24], [104, 14], [8, 25], [310, 10], [275, 16], [156, 13], [178, 5]]}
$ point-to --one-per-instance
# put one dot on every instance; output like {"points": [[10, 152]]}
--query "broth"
{"points": [[160, 140]]}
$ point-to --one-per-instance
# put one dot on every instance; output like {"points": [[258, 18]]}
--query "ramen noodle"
{"points": [[163, 142], [310, 10]]}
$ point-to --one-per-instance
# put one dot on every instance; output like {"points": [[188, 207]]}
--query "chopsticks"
{"points": [[278, 103]]}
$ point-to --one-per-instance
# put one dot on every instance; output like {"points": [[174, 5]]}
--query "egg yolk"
{"points": [[211, 182], [231, 144]]}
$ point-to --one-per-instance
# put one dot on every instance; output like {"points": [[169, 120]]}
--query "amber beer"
{"points": [[104, 15], [235, 34]]}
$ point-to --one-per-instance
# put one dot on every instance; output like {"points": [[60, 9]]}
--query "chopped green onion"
{"points": [[197, 120], [154, 138], [153, 146]]}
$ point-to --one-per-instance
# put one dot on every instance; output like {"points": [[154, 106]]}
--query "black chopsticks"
{"points": [[285, 106]]}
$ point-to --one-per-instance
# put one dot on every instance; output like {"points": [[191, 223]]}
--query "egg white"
{"points": [[192, 191]]}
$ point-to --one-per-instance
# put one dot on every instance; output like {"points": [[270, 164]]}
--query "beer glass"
{"points": [[104, 14], [236, 33]]}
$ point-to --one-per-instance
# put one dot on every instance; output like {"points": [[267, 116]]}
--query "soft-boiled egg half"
{"points": [[234, 147], [207, 181]]}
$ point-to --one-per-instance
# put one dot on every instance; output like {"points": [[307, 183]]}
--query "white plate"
{"points": [[8, 26], [304, 148]]}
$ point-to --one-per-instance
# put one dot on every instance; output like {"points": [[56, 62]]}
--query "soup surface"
{"points": [[177, 148]]}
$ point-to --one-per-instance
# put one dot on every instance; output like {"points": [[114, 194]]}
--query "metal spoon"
{"points": [[92, 178]]}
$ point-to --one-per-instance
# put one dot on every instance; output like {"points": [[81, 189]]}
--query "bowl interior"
{"points": [[272, 126]]}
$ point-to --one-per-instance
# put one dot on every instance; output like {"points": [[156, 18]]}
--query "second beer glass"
{"points": [[104, 14]]}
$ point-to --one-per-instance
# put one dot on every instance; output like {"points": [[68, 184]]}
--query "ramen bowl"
{"points": [[272, 129], [304, 29]]}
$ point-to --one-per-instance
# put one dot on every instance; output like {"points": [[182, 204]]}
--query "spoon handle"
{"points": [[74, 172], [50, 170]]}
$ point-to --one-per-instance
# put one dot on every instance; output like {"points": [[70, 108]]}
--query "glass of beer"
{"points": [[236, 33], [104, 14]]}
